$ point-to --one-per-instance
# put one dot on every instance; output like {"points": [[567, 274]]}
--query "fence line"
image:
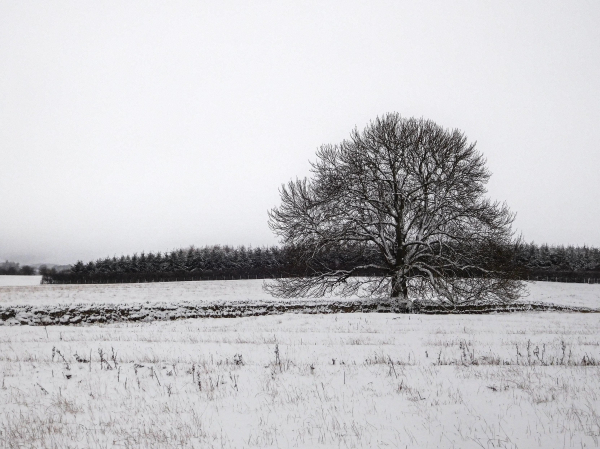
{"points": [[151, 279], [574, 280], [147, 278]]}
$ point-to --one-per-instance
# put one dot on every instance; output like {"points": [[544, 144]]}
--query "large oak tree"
{"points": [[404, 203]]}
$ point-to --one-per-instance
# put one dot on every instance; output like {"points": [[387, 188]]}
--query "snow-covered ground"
{"points": [[351, 380], [128, 293], [9, 280], [564, 294], [585, 295], [521, 380]]}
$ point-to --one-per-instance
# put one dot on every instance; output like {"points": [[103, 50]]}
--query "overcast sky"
{"points": [[130, 126]]}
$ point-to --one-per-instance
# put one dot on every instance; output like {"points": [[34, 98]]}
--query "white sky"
{"points": [[130, 126]]}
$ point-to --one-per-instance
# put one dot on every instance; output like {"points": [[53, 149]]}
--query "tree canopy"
{"points": [[405, 199]]}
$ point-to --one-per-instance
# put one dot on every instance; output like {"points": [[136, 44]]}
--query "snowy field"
{"points": [[522, 380], [351, 380], [584, 295], [9, 280]]}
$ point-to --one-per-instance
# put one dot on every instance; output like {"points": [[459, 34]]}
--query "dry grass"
{"points": [[522, 380]]}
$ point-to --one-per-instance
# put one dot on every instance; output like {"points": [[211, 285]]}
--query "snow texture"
{"points": [[522, 380], [75, 304], [18, 280], [581, 295]]}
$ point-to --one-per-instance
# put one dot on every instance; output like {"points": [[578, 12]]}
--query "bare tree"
{"points": [[405, 202]]}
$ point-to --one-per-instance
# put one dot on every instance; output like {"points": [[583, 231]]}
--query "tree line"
{"points": [[546, 258], [13, 268], [181, 264], [211, 262]]}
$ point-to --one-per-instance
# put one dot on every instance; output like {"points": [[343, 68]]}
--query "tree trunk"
{"points": [[399, 286]]}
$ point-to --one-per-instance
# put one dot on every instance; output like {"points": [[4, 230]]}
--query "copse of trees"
{"points": [[211, 262], [549, 259], [560, 263], [13, 268]]}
